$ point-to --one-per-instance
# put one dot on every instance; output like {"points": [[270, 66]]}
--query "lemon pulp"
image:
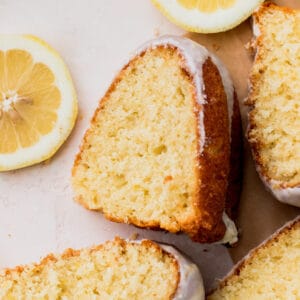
{"points": [[207, 16], [206, 6], [29, 100]]}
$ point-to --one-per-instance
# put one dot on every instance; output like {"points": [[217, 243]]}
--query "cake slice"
{"points": [[118, 269], [274, 119], [157, 153], [271, 271]]}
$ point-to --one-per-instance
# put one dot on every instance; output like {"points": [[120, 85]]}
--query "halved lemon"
{"points": [[38, 105], [207, 16]]}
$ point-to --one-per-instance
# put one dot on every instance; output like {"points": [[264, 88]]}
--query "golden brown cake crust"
{"points": [[235, 178], [214, 160], [254, 79], [212, 166], [68, 253], [247, 259]]}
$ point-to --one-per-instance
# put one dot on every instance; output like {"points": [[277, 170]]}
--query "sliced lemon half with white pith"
{"points": [[207, 16], [38, 105]]}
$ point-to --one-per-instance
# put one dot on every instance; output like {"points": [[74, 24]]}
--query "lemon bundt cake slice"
{"points": [[271, 271], [118, 269], [274, 119], [157, 153]]}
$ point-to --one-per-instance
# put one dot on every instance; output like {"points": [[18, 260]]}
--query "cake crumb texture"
{"points": [[114, 270], [271, 271], [274, 99], [157, 153], [137, 162]]}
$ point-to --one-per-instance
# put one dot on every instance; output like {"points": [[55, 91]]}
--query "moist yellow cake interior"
{"points": [[118, 270], [276, 96], [273, 273], [138, 160]]}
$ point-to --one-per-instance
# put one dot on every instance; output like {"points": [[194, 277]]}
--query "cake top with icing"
{"points": [[195, 56]]}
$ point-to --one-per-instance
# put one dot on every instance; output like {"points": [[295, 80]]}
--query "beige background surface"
{"points": [[37, 214]]}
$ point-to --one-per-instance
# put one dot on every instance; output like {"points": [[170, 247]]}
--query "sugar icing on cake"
{"points": [[118, 269], [195, 56], [273, 130], [171, 93], [191, 284], [269, 271]]}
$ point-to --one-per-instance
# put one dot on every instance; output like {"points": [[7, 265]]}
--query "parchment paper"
{"points": [[37, 214]]}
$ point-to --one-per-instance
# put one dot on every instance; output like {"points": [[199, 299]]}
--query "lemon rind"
{"points": [[201, 28]]}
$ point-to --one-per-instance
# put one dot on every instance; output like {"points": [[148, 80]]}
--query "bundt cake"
{"points": [[118, 269], [274, 118], [271, 271], [157, 153]]}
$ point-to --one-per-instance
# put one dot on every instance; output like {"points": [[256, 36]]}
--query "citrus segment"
{"points": [[17, 64], [23, 108], [48, 98], [38, 105], [189, 4], [42, 120], [25, 132], [8, 138], [38, 79], [206, 6], [207, 16]]}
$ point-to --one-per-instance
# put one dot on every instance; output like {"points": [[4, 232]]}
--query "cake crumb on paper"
{"points": [[134, 236]]}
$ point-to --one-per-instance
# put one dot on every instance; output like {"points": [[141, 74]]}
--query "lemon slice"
{"points": [[38, 105], [207, 16]]}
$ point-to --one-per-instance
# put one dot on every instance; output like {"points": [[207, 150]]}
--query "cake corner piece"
{"points": [[274, 117], [157, 153], [118, 269], [272, 269]]}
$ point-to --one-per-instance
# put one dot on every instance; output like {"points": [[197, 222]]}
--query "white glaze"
{"points": [[285, 195], [255, 29], [228, 87], [288, 195], [231, 234], [195, 56], [252, 252], [190, 285]]}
